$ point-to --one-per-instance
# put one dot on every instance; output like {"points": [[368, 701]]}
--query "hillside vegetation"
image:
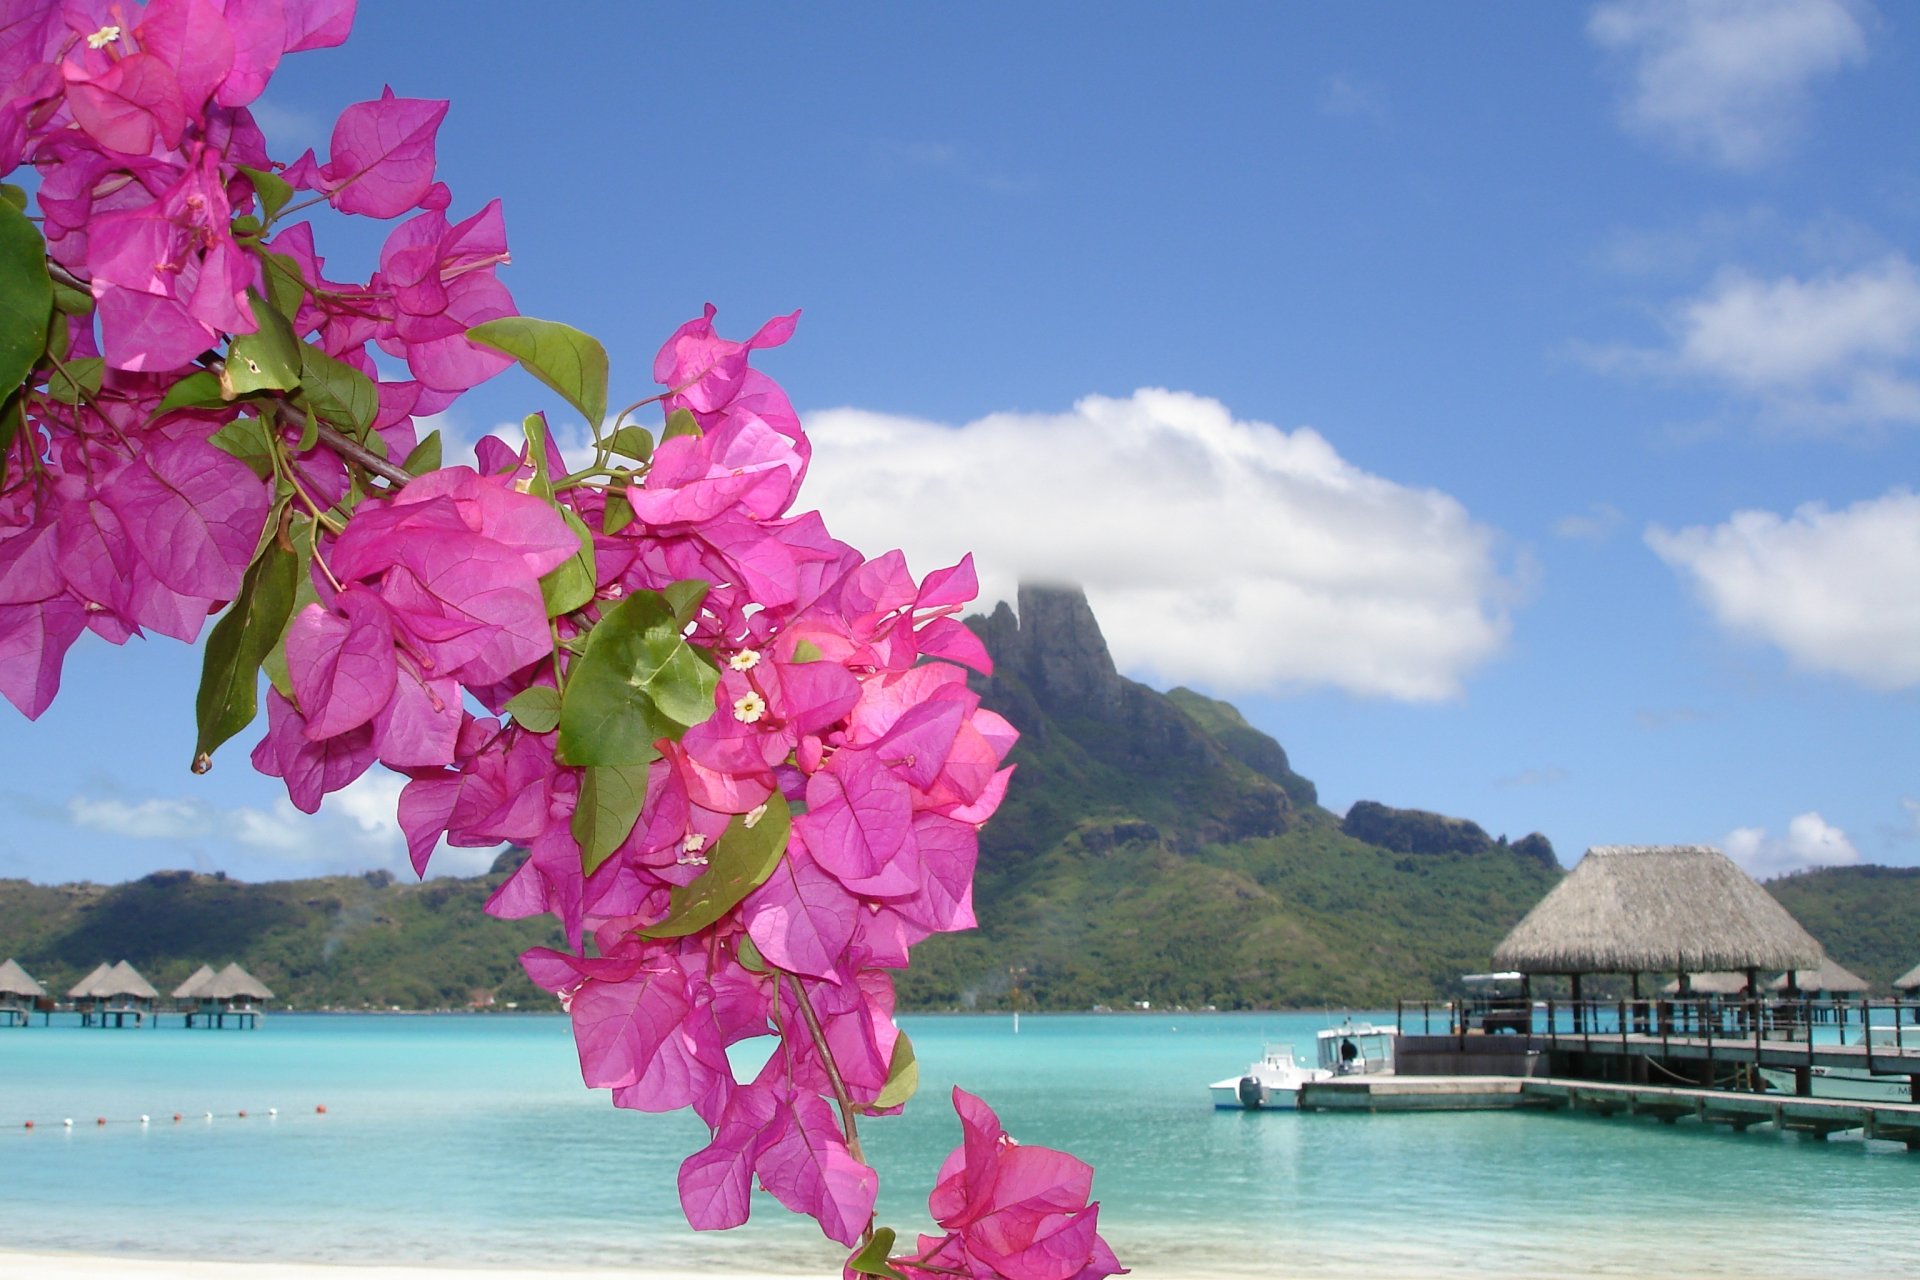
{"points": [[1154, 847]]}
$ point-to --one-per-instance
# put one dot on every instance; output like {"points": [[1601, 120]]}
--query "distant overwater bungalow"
{"points": [[19, 993], [113, 996], [231, 996]]}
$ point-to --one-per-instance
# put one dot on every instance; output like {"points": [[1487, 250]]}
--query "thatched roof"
{"points": [[1709, 984], [191, 987], [234, 983], [85, 988], [1654, 909], [106, 981], [1826, 976], [14, 981], [1908, 980]]}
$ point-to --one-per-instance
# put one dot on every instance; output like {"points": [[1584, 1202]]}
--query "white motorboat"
{"points": [[1273, 1083], [1357, 1049]]}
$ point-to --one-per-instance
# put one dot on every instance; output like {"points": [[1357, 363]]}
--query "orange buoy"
{"points": [[100, 1120], [243, 1115], [320, 1110], [29, 1124], [176, 1117]]}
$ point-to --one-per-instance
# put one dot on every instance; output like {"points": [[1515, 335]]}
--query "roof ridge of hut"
{"points": [[1656, 909], [1909, 980], [1828, 975]]}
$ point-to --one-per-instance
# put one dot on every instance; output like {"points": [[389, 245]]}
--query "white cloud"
{"points": [[1225, 552], [146, 820], [1596, 524], [1829, 351], [355, 830], [1728, 80], [1837, 591], [1810, 841]]}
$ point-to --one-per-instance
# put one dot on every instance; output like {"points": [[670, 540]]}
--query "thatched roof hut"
{"points": [[1908, 981], [233, 984], [86, 988], [109, 981], [1828, 977], [190, 989], [15, 982], [1656, 909]]}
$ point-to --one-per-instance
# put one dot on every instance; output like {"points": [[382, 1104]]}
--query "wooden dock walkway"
{"points": [[1822, 1117]]}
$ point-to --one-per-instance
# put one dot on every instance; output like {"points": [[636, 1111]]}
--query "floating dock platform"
{"points": [[1821, 1117]]}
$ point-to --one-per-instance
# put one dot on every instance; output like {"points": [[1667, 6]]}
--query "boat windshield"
{"points": [[1356, 1048]]}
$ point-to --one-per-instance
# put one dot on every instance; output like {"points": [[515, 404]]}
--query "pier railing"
{"points": [[1892, 1024]]}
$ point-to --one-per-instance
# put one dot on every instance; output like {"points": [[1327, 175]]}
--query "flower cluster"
{"points": [[742, 758], [173, 405]]}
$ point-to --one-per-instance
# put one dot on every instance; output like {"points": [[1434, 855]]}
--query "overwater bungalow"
{"points": [[1707, 984], [113, 995], [1829, 978], [1908, 982], [18, 994], [1639, 909], [231, 996], [190, 989]]}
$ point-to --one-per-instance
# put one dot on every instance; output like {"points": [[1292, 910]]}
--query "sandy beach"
{"points": [[74, 1266]]}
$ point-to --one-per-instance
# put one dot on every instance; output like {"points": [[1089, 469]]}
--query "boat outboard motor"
{"points": [[1253, 1094]]}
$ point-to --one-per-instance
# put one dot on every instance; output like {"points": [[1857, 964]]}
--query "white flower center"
{"points": [[745, 660], [754, 815], [748, 708], [103, 37]]}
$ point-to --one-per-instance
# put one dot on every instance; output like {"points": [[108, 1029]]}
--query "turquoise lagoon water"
{"points": [[469, 1141]]}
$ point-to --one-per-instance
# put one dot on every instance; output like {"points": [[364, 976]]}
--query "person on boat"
{"points": [[1349, 1053]]}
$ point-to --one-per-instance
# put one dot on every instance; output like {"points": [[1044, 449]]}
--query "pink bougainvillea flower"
{"points": [[1009, 1210], [705, 370], [380, 162]]}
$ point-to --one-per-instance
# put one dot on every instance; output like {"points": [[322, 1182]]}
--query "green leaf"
{"points": [[619, 512], [569, 361], [903, 1076], [571, 584], [872, 1259], [425, 456], [274, 191], [806, 651], [268, 359], [632, 442], [26, 296], [195, 391], [749, 955], [739, 862], [535, 427], [75, 380], [246, 439], [536, 709], [685, 598], [609, 804], [69, 301], [637, 681], [13, 416], [681, 422], [286, 286], [238, 644], [341, 394], [300, 535], [14, 195]]}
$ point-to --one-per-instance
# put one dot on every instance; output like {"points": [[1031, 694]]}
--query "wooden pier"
{"points": [[1821, 1117]]}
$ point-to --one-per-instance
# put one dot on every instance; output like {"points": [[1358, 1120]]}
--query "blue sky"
{"points": [[1512, 408]]}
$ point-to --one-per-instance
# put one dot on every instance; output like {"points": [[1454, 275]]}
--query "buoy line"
{"points": [[147, 1121]]}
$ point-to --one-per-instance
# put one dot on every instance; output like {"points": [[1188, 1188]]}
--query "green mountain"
{"points": [[1154, 847]]}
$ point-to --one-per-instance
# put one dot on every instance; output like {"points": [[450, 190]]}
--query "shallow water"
{"points": [[469, 1140]]}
